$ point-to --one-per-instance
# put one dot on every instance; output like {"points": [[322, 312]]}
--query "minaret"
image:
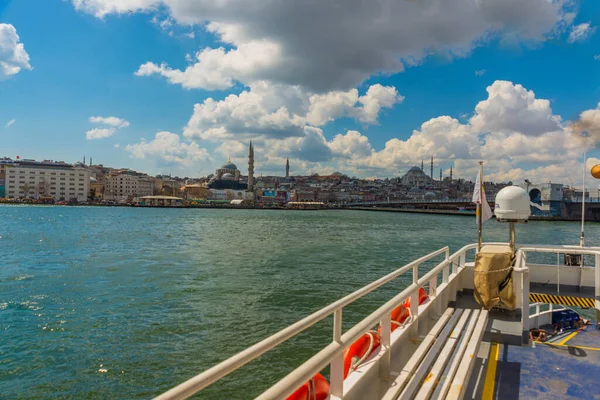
{"points": [[251, 168], [91, 161], [287, 168], [451, 174], [84, 159], [440, 176], [431, 174], [422, 165]]}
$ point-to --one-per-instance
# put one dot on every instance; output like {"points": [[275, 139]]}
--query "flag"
{"points": [[486, 211]]}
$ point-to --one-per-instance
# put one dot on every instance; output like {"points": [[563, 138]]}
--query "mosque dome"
{"points": [[429, 195], [229, 165], [228, 176], [415, 169]]}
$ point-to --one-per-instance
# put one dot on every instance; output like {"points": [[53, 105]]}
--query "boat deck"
{"points": [[567, 366]]}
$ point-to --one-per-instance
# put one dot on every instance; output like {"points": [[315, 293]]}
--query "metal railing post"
{"points": [[558, 273], [525, 301], [597, 286], [446, 274], [416, 274], [337, 363], [433, 286], [386, 340]]}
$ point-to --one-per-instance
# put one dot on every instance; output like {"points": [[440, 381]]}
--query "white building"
{"points": [[122, 187], [33, 179]]}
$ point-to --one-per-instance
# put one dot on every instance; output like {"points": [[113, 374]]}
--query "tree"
{"points": [[92, 194], [25, 189], [42, 188]]}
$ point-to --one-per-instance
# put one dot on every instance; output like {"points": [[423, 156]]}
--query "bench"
{"points": [[441, 366]]}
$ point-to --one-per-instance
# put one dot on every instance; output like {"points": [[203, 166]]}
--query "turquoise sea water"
{"points": [[124, 303]]}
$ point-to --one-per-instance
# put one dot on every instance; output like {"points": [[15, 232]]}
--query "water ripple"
{"points": [[124, 303]]}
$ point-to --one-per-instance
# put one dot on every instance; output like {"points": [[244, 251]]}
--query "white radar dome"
{"points": [[512, 205]]}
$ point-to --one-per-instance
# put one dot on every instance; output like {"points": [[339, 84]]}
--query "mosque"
{"points": [[228, 176]]}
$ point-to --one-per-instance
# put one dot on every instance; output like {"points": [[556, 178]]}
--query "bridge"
{"points": [[429, 203]]}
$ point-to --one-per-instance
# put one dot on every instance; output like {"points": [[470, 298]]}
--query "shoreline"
{"points": [[459, 213], [283, 208]]}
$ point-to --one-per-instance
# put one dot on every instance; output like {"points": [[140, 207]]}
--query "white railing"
{"points": [[583, 251], [333, 353]]}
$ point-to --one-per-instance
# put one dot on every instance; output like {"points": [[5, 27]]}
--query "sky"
{"points": [[361, 87]]}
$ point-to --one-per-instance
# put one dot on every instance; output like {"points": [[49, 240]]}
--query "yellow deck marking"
{"points": [[571, 336], [563, 300], [490, 376], [567, 345]]}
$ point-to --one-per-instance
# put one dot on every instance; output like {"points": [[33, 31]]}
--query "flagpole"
{"points": [[582, 238], [480, 206]]}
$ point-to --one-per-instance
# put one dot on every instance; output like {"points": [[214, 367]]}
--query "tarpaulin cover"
{"points": [[493, 278]]}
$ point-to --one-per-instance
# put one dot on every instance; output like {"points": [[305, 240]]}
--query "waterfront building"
{"points": [[161, 201], [4, 162], [96, 189], [195, 191], [125, 186], [46, 179], [545, 198], [227, 194]]}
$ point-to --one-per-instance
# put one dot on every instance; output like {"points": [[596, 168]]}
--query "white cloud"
{"points": [[216, 69], [168, 148], [112, 121], [9, 123], [99, 133], [329, 106], [280, 111], [117, 145], [337, 44], [509, 129], [13, 56], [377, 97], [351, 145], [245, 114], [480, 72], [101, 8], [581, 32], [512, 108], [112, 124], [586, 129]]}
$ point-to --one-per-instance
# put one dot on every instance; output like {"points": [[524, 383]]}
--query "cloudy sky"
{"points": [[365, 87]]}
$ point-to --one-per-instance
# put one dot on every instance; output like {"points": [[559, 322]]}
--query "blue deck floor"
{"points": [[550, 372]]}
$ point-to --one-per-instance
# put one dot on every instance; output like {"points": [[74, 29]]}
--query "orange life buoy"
{"points": [[315, 389], [422, 298], [366, 343], [398, 315]]}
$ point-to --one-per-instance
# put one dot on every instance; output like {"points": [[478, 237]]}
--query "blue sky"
{"points": [[84, 54]]}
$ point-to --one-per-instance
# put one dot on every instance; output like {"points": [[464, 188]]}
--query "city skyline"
{"points": [[164, 87]]}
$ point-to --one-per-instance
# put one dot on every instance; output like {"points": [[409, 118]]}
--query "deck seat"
{"points": [[441, 366]]}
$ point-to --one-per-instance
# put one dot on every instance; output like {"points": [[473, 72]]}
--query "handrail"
{"points": [[304, 372], [206, 378], [327, 355]]}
